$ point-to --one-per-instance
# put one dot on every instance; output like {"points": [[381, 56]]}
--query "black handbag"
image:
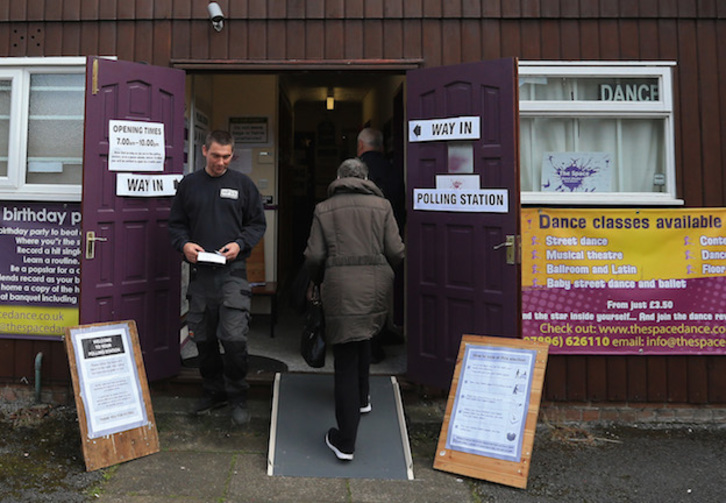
{"points": [[312, 341]]}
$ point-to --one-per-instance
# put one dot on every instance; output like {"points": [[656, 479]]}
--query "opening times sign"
{"points": [[625, 281]]}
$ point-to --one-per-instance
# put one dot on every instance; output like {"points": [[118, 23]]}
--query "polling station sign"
{"points": [[625, 281], [471, 201], [461, 193]]}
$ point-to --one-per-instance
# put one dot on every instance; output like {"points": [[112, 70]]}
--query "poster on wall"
{"points": [[576, 172], [625, 281], [249, 130], [39, 275]]}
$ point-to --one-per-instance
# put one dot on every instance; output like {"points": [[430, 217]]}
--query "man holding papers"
{"points": [[216, 219]]}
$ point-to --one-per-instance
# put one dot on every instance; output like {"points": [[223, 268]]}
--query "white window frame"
{"points": [[660, 109], [13, 187]]}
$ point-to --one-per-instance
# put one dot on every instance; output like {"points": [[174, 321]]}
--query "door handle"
{"points": [[91, 244], [509, 243]]}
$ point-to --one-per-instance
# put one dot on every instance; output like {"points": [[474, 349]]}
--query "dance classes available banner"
{"points": [[625, 281]]}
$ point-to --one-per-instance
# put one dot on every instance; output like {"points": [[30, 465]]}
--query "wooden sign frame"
{"points": [[485, 402], [112, 368]]}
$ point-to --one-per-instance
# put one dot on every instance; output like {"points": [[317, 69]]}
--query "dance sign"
{"points": [[625, 281]]}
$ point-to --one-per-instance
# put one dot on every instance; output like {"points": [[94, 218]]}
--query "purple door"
{"points": [[129, 271], [463, 273]]}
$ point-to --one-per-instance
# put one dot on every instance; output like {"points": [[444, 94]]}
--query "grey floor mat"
{"points": [[303, 410]]}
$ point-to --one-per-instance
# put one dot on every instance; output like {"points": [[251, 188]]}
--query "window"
{"points": [[596, 133], [41, 128]]}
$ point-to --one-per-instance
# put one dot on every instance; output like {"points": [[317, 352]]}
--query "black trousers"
{"points": [[352, 363], [219, 303]]}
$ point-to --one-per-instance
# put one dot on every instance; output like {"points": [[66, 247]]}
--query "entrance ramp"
{"points": [[302, 412]]}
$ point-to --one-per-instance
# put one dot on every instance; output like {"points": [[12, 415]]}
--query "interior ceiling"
{"points": [[346, 86]]}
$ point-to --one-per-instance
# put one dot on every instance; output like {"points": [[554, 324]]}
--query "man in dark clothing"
{"points": [[219, 211], [384, 175]]}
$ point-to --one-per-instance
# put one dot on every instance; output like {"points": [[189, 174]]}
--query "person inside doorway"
{"points": [[370, 150], [353, 246], [219, 211]]}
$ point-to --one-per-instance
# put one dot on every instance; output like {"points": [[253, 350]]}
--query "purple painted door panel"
{"points": [[135, 274], [459, 281]]}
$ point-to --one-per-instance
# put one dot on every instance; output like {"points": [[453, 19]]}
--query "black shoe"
{"points": [[343, 456], [240, 415], [209, 402]]}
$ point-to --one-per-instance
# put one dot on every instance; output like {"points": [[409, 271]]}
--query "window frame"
{"points": [[14, 187], [661, 109]]}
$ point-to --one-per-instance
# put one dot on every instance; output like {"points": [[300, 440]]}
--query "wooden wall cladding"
{"points": [[430, 33]]}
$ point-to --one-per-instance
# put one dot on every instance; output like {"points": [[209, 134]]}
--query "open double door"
{"points": [[461, 278]]}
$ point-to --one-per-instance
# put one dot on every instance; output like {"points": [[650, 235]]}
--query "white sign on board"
{"points": [[134, 185], [136, 146], [492, 400], [450, 128], [108, 380], [471, 201]]}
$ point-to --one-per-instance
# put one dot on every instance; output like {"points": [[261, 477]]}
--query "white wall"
{"points": [[223, 96]]}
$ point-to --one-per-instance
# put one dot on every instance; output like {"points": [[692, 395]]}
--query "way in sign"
{"points": [[142, 184], [450, 128]]}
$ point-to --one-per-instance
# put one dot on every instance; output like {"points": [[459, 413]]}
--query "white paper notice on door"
{"points": [[136, 146]]}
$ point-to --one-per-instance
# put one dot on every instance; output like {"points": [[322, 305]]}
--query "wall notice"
{"points": [[625, 281], [39, 273], [247, 130]]}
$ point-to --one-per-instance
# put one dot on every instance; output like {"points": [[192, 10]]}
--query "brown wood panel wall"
{"points": [[436, 32]]}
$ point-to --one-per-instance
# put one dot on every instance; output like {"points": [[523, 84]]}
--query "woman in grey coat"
{"points": [[353, 245]]}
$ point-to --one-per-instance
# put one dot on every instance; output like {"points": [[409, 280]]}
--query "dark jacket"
{"points": [[390, 181], [353, 244], [213, 211]]}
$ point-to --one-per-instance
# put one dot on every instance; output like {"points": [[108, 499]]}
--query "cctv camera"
{"points": [[216, 15]]}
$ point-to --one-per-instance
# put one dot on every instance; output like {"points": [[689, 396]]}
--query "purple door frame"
{"points": [[135, 274], [458, 279]]}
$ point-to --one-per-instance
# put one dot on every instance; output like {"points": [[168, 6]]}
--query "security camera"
{"points": [[216, 15]]}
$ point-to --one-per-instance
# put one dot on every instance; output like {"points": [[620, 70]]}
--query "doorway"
{"points": [[314, 118]]}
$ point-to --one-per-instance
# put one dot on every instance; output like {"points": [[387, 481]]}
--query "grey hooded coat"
{"points": [[353, 245]]}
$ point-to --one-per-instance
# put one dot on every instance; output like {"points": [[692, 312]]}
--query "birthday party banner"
{"points": [[625, 281]]}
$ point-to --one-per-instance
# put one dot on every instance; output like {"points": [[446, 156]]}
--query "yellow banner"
{"points": [[615, 246], [28, 320], [627, 281]]}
